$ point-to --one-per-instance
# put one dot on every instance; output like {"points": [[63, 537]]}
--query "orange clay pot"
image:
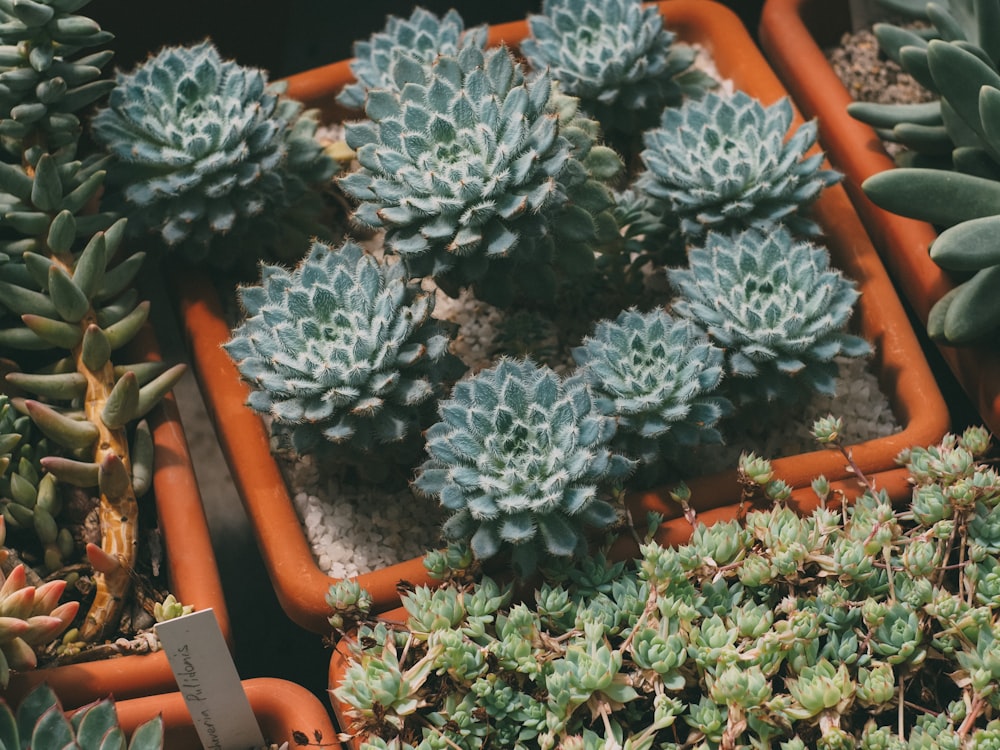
{"points": [[282, 708], [193, 575], [793, 34], [899, 361]]}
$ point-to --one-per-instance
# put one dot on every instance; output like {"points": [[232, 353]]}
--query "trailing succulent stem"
{"points": [[616, 57], [77, 301], [482, 176]]}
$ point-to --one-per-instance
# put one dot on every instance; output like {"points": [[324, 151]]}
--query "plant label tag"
{"points": [[209, 682]]}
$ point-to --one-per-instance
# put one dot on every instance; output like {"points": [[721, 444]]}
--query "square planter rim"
{"points": [[301, 586]]}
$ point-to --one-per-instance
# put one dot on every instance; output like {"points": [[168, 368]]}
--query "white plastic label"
{"points": [[207, 677]]}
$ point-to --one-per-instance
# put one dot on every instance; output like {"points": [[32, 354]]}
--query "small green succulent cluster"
{"points": [[776, 308], [658, 375], [421, 38], [40, 723], [963, 198], [45, 81], [521, 458], [862, 626], [725, 163], [481, 176], [211, 158], [342, 349], [615, 56]]}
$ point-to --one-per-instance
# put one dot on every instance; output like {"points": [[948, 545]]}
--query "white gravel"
{"points": [[355, 529]]}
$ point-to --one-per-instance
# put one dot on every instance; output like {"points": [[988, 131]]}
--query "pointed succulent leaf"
{"points": [[142, 456], [96, 348], [53, 332], [153, 392], [69, 299], [77, 473], [122, 404], [72, 433], [63, 386]]}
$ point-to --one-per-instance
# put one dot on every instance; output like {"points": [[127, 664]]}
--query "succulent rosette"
{"points": [[422, 37], [340, 349], [480, 175], [521, 458], [210, 157], [657, 375], [725, 163], [776, 307], [615, 56]]}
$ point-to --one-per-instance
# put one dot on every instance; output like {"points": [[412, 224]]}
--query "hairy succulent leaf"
{"points": [[777, 309], [724, 163], [615, 56], [210, 157]]}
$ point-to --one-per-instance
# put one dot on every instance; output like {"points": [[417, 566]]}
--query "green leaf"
{"points": [[974, 311], [122, 404], [69, 299], [47, 192], [937, 196], [969, 246]]}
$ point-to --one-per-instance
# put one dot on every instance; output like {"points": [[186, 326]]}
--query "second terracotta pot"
{"points": [[793, 34]]}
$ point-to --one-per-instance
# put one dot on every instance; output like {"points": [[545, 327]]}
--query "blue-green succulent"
{"points": [[40, 722], [776, 307], [211, 158], [421, 37], [726, 163], [341, 349], [615, 56], [658, 376], [481, 176], [522, 458]]}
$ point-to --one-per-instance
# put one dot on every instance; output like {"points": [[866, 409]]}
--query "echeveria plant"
{"points": [[481, 176], [725, 163], [615, 56], [211, 158], [342, 349], [521, 458], [421, 37], [658, 376], [775, 306]]}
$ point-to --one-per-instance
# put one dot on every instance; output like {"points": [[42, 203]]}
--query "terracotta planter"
{"points": [[793, 34], [903, 371], [193, 575], [282, 709]]}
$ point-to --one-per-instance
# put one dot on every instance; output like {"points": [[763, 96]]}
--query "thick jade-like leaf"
{"points": [[889, 115], [937, 196], [969, 246], [968, 312], [959, 75]]}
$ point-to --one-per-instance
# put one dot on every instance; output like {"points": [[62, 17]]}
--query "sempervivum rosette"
{"points": [[340, 349], [521, 457], [615, 55], [201, 148], [422, 37], [723, 163], [479, 175], [777, 309], [657, 375]]}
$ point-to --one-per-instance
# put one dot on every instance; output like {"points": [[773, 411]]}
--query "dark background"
{"points": [[293, 35]]}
